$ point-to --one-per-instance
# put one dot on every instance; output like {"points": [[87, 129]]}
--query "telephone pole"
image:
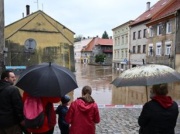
{"points": [[2, 35]]}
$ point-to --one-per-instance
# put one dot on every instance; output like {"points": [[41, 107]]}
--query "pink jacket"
{"points": [[82, 116]]}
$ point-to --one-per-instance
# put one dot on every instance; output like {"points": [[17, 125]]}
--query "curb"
{"points": [[119, 106]]}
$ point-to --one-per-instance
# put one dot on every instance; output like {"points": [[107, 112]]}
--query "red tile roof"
{"points": [[171, 8], [104, 42], [98, 41], [152, 11]]}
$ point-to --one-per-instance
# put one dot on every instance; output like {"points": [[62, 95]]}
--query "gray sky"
{"points": [[84, 17]]}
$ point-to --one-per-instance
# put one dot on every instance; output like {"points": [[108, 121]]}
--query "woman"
{"points": [[83, 114], [50, 115], [159, 115]]}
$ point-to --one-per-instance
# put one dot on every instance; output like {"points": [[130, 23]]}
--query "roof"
{"points": [[170, 9], [98, 41], [35, 22], [126, 23], [147, 15]]}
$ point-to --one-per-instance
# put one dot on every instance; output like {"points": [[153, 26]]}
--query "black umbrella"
{"points": [[50, 80]]}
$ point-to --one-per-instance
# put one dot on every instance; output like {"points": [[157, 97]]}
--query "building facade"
{"points": [[78, 46], [39, 38], [121, 35]]}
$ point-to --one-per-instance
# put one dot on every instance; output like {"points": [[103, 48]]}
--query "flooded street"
{"points": [[100, 77]]}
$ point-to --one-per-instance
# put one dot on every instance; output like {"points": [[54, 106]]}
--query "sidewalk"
{"points": [[120, 121]]}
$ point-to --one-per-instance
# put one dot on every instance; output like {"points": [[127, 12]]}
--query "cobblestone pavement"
{"points": [[120, 121]]}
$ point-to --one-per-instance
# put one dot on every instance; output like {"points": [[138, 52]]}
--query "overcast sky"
{"points": [[84, 17]]}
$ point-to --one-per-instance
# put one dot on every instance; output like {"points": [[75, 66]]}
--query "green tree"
{"points": [[100, 58], [105, 35]]}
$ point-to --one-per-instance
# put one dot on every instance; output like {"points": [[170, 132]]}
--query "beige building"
{"points": [[38, 38], [121, 36]]}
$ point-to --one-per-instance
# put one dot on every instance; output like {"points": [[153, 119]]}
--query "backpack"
{"points": [[33, 112]]}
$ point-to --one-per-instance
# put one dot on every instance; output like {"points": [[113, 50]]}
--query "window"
{"points": [[122, 39], [151, 32], [144, 48], [122, 54], [139, 34], [158, 48], [168, 47], [119, 41], [159, 29], [168, 50], [150, 50], [144, 33], [139, 49], [126, 38], [134, 35], [134, 49], [168, 27]]}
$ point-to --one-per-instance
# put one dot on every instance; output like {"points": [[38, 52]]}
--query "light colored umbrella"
{"points": [[146, 75]]}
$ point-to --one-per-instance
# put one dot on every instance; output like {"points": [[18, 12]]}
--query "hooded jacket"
{"points": [[11, 105], [50, 122], [158, 116], [82, 116]]}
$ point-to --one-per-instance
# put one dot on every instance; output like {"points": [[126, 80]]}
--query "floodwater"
{"points": [[100, 77]]}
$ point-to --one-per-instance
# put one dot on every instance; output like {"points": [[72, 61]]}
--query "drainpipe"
{"points": [[2, 42], [177, 28]]}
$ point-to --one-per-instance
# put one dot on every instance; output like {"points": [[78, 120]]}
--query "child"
{"points": [[61, 111]]}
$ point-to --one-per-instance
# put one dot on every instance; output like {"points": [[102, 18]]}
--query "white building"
{"points": [[78, 46]]}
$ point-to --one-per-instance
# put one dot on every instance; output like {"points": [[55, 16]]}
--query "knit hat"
{"points": [[65, 99]]}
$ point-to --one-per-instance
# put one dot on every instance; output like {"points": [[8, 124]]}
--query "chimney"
{"points": [[23, 15], [148, 6], [27, 10]]}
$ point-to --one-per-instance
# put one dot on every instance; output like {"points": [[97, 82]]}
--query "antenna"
{"points": [[37, 4]]}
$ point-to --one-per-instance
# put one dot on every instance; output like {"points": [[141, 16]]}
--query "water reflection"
{"points": [[99, 78]]}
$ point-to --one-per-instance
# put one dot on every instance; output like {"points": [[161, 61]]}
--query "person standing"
{"points": [[50, 115], [83, 114], [62, 111], [159, 115], [11, 105]]}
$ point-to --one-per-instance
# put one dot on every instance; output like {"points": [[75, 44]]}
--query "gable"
{"points": [[40, 24]]}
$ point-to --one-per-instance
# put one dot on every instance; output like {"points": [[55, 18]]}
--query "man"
{"points": [[11, 106]]}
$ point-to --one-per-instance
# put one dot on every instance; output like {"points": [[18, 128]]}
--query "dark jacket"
{"points": [[61, 111], [11, 105], [158, 117]]}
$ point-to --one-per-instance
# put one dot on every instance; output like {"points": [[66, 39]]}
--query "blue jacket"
{"points": [[61, 111]]}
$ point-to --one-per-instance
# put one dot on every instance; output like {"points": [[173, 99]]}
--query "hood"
{"points": [[4, 84], [164, 101], [84, 106]]}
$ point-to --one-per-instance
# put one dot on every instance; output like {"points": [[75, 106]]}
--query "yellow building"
{"points": [[38, 38]]}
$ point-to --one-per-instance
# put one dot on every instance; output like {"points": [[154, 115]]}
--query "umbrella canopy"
{"points": [[146, 75], [50, 80]]}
